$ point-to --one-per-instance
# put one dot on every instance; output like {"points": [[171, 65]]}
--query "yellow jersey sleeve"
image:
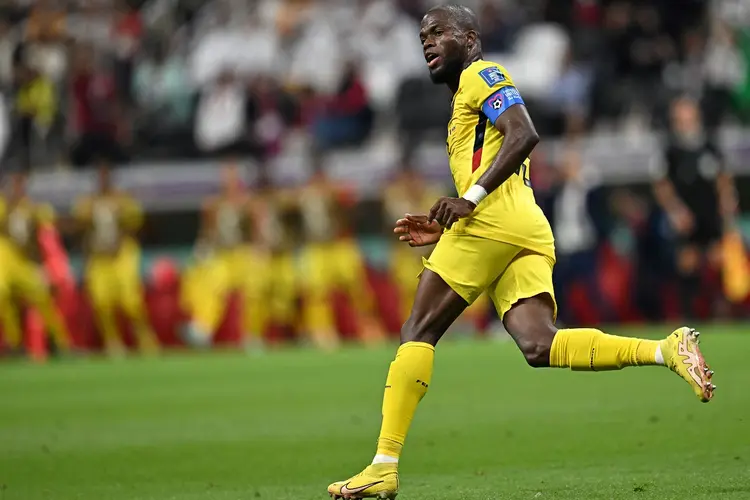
{"points": [[482, 80]]}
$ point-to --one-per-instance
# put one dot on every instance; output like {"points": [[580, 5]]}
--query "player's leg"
{"points": [[436, 307], [459, 269], [283, 291], [34, 290], [9, 315], [525, 301], [128, 264], [253, 267], [352, 272], [210, 291], [102, 291], [688, 261], [318, 272]]}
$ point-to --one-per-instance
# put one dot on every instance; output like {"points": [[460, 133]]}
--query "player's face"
{"points": [[443, 47]]}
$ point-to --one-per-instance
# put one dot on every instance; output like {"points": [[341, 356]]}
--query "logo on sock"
{"points": [[424, 384]]}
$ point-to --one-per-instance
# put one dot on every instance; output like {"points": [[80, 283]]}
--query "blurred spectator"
{"points": [[96, 116], [46, 21], [689, 183], [164, 98], [221, 122], [345, 118], [387, 51], [36, 108], [127, 30], [44, 43], [9, 43], [227, 40], [274, 110], [575, 234], [725, 70], [499, 26]]}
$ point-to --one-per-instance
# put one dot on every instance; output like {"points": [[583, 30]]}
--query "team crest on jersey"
{"points": [[492, 75]]}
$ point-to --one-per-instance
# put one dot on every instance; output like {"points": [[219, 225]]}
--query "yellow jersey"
{"points": [[510, 213], [108, 220], [20, 223]]}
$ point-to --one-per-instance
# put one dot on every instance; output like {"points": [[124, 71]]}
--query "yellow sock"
{"points": [[591, 349], [408, 379]]}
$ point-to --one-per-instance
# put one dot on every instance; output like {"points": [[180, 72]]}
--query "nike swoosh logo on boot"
{"points": [[346, 491]]}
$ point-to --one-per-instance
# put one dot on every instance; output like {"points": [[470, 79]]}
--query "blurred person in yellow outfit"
{"points": [[36, 106], [276, 213], [22, 279], [228, 261], [332, 261], [406, 194], [109, 221]]}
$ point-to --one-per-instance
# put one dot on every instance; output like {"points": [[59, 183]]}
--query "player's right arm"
{"points": [[418, 230]]}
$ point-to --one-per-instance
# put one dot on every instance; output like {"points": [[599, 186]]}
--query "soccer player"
{"points": [[109, 220], [21, 273], [331, 261], [275, 211], [492, 238], [233, 263]]}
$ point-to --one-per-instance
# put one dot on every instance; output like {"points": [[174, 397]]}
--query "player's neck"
{"points": [[454, 83]]}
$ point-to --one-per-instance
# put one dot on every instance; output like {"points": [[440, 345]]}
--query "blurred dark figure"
{"points": [[689, 189], [272, 111], [725, 70], [575, 236], [499, 26], [96, 117], [36, 109], [127, 29], [345, 118], [165, 102], [9, 52]]}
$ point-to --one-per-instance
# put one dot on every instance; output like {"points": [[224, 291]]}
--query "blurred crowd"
{"points": [[145, 79], [111, 83]]}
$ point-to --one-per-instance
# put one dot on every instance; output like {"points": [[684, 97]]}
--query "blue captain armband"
{"points": [[497, 103]]}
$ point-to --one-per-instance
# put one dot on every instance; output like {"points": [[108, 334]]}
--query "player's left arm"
{"points": [[505, 109], [725, 187]]}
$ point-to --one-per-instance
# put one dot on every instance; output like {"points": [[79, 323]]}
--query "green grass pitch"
{"points": [[283, 425]]}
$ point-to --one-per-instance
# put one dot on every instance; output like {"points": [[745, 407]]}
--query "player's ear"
{"points": [[471, 39]]}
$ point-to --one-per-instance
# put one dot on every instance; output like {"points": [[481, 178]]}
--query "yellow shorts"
{"points": [[508, 273]]}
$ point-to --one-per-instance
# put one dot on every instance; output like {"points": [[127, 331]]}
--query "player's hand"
{"points": [[417, 230], [447, 210]]}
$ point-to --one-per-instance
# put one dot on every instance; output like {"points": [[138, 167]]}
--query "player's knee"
{"points": [[536, 351]]}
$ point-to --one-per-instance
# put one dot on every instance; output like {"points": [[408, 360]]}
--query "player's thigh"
{"points": [[460, 268], [252, 268], [128, 272], [349, 262], [318, 269], [469, 264], [101, 281], [528, 275], [31, 283]]}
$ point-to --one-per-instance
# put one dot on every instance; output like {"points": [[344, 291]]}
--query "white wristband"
{"points": [[475, 194]]}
